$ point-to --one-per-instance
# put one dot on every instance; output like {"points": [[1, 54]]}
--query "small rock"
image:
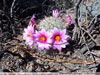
{"points": [[29, 66]]}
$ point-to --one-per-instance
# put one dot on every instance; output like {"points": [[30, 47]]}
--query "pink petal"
{"points": [[42, 45], [73, 22], [32, 21], [63, 32], [56, 13], [56, 31], [58, 47]]}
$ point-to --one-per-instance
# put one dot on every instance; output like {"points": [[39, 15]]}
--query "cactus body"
{"points": [[50, 22]]}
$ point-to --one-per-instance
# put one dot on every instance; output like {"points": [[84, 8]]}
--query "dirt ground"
{"points": [[15, 56]]}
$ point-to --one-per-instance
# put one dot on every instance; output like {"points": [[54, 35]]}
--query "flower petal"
{"points": [[73, 22]]}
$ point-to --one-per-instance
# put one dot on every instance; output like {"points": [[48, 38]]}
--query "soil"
{"points": [[15, 56]]}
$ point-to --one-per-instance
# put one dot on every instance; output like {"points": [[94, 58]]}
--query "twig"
{"points": [[26, 10], [11, 9], [91, 26], [44, 2], [91, 37], [59, 61], [10, 20], [4, 3], [91, 22], [86, 17], [76, 26], [77, 11]]}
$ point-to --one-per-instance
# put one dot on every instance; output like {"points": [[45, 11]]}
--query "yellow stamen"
{"points": [[73, 18], [42, 38], [57, 38], [30, 35]]}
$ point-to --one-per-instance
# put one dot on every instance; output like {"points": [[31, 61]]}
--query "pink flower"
{"points": [[69, 20], [59, 39], [56, 13], [28, 35], [32, 21], [43, 39]]}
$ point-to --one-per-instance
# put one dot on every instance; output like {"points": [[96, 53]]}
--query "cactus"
{"points": [[50, 33], [50, 22]]}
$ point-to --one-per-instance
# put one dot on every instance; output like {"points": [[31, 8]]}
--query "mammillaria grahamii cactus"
{"points": [[53, 21], [51, 32], [50, 22]]}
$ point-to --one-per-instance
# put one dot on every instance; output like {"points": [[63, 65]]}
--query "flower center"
{"points": [[42, 38], [30, 35], [73, 18], [57, 38]]}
